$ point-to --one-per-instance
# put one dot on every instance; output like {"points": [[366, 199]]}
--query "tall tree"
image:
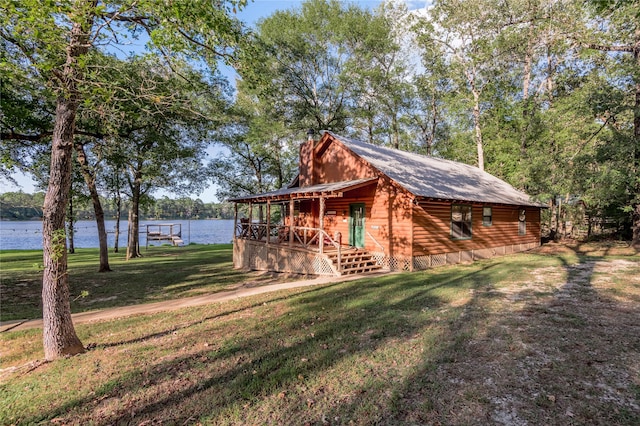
{"points": [[466, 31], [163, 131], [113, 180], [28, 117], [379, 70], [54, 40], [297, 59], [89, 174], [257, 152], [616, 32], [432, 86]]}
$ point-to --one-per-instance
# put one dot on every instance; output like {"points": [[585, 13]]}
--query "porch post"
{"points": [[235, 221], [250, 225], [412, 203], [268, 221], [290, 222], [321, 239]]}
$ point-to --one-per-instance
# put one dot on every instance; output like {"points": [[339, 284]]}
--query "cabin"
{"points": [[356, 207]]}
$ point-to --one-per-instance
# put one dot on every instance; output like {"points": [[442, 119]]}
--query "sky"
{"points": [[251, 14]]}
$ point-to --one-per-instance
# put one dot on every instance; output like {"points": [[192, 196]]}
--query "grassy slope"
{"points": [[514, 340], [163, 273]]}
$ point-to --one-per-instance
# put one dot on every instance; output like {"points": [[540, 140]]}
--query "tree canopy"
{"points": [[64, 49], [543, 94]]}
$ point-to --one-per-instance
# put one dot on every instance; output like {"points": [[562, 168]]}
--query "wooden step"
{"points": [[348, 255], [357, 261], [353, 261], [358, 271], [362, 270], [347, 265]]}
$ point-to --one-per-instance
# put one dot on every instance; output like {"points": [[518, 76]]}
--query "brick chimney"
{"points": [[307, 161]]}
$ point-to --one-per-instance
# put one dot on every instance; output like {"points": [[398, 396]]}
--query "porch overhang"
{"points": [[325, 190]]}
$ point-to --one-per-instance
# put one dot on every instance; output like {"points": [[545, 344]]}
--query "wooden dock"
{"points": [[171, 232]]}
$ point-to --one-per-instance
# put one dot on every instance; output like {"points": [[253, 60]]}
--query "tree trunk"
{"points": [[90, 180], [559, 215], [553, 220], [550, 76], [478, 130], [434, 124], [564, 216], [528, 58], [396, 132], [118, 214], [527, 110], [133, 244], [370, 125], [425, 137], [58, 335], [71, 224], [635, 241], [635, 216]]}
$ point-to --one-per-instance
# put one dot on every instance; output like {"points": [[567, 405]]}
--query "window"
{"points": [[487, 216], [305, 206], [358, 216], [460, 222], [522, 222], [301, 207]]}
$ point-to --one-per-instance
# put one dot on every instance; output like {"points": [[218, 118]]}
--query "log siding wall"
{"points": [[394, 225], [387, 217], [336, 163], [387, 207], [432, 228]]}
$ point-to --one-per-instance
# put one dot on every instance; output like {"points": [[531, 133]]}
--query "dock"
{"points": [[171, 232]]}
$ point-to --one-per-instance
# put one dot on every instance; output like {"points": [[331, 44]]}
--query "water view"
{"points": [[27, 235]]}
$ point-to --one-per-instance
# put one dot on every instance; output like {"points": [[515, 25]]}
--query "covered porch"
{"points": [[285, 231]]}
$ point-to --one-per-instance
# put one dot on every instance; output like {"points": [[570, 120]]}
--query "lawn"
{"points": [[163, 273], [546, 337]]}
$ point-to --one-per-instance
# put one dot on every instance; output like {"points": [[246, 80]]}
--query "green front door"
{"points": [[356, 225]]}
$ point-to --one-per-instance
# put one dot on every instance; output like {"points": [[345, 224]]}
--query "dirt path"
{"points": [[555, 349], [171, 305]]}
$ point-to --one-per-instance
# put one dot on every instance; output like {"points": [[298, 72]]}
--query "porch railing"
{"points": [[305, 237], [256, 231]]}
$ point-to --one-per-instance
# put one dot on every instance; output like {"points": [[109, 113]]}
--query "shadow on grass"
{"points": [[186, 326], [478, 344], [562, 355], [283, 355], [164, 273]]}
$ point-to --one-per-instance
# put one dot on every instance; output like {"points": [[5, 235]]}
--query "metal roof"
{"points": [[326, 190], [431, 177]]}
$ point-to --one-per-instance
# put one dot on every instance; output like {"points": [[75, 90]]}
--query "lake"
{"points": [[27, 235]]}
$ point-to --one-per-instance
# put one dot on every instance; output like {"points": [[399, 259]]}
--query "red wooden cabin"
{"points": [[356, 207]]}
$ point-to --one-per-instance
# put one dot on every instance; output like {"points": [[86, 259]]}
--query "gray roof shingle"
{"points": [[432, 177]]}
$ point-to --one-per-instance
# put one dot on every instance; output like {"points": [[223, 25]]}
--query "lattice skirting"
{"points": [[258, 256], [431, 261]]}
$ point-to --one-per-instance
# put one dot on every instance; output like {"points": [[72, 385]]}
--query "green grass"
{"points": [[445, 346], [276, 349], [163, 273]]}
